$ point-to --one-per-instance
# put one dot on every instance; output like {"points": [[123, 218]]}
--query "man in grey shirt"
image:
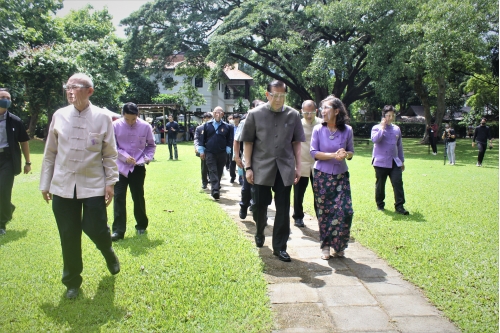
{"points": [[272, 136]]}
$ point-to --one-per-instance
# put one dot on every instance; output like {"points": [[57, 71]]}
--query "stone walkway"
{"points": [[358, 293]]}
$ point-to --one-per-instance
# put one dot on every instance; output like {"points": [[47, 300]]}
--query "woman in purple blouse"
{"points": [[331, 144]]}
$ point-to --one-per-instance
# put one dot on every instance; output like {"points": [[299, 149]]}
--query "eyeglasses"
{"points": [[74, 86], [326, 107], [308, 112], [278, 95]]}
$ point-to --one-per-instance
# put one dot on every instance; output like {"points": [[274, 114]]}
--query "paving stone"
{"points": [[301, 315], [360, 318], [341, 278], [332, 264], [346, 295], [407, 305], [430, 324], [309, 252], [303, 330], [370, 270], [292, 293], [389, 286]]}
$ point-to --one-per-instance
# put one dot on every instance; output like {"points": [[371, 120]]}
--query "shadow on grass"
{"points": [[12, 236], [85, 314], [413, 217], [138, 245]]}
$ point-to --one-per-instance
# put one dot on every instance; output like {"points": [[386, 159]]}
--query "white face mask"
{"points": [[231, 122]]}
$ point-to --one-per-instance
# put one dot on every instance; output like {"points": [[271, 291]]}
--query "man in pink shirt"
{"points": [[136, 148]]}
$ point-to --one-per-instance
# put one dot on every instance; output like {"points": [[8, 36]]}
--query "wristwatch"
{"points": [[28, 163], [248, 168]]}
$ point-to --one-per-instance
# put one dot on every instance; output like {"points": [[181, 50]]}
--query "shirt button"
{"points": [[276, 136]]}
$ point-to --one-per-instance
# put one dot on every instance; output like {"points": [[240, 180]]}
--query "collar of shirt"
{"points": [[3, 116]]}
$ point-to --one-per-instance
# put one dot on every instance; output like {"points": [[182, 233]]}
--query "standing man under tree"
{"points": [[136, 148], [272, 136], [10, 156], [78, 174], [172, 128]]}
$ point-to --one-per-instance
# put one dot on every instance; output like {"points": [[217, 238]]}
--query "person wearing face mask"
{"points": [[230, 121], [13, 139], [481, 135], [197, 133], [309, 120], [78, 175], [136, 148], [214, 144], [332, 142], [388, 160]]}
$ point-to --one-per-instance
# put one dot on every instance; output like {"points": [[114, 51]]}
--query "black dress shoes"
{"points": [[380, 208], [111, 261], [216, 195], [231, 180], [243, 212], [299, 223], [204, 186], [140, 231], [72, 293], [282, 255], [116, 237], [259, 241], [402, 211]]}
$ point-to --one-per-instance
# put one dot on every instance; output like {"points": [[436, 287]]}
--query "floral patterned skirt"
{"points": [[332, 194]]}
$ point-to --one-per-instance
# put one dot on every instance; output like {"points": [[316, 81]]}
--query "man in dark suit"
{"points": [[214, 144], [12, 134], [204, 170]]}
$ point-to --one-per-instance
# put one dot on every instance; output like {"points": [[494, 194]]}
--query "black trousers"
{"points": [[6, 184], [433, 141], [204, 172], [71, 223], [246, 194], [299, 190], [172, 142], [135, 181], [215, 165], [262, 197], [232, 169], [481, 147], [396, 176]]}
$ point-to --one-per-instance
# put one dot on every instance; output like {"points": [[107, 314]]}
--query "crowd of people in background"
{"points": [[89, 160]]}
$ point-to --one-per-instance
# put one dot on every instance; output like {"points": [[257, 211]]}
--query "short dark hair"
{"points": [[484, 119], [207, 115], [276, 84], [387, 108], [257, 102], [130, 108], [342, 117], [236, 115]]}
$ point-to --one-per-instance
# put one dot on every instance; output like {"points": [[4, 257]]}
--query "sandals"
{"points": [[325, 253]]}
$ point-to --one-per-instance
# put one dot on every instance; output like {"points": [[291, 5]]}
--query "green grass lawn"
{"points": [[448, 246], [193, 271]]}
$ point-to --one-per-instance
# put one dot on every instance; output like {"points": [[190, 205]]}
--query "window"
{"points": [[198, 82]]}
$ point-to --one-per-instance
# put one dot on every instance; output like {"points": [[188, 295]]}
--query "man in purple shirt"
{"points": [[136, 147], [388, 160]]}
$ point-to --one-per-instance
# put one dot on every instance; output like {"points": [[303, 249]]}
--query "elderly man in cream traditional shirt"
{"points": [[306, 161], [79, 171]]}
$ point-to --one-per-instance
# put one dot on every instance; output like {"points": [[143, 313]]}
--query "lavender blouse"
{"points": [[321, 142]]}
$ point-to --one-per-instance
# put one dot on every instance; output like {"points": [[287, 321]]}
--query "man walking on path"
{"points": [[197, 133], [172, 128], [10, 156], [136, 148], [482, 134], [78, 174], [307, 162], [214, 144], [388, 160], [272, 136]]}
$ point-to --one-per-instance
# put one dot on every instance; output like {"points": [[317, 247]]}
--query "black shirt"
{"points": [[16, 133], [482, 134]]}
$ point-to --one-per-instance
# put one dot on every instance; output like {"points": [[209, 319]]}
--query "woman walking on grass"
{"points": [[331, 144]]}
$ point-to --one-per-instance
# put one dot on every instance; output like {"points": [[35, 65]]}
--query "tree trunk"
{"points": [[424, 98], [33, 121], [441, 104]]}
